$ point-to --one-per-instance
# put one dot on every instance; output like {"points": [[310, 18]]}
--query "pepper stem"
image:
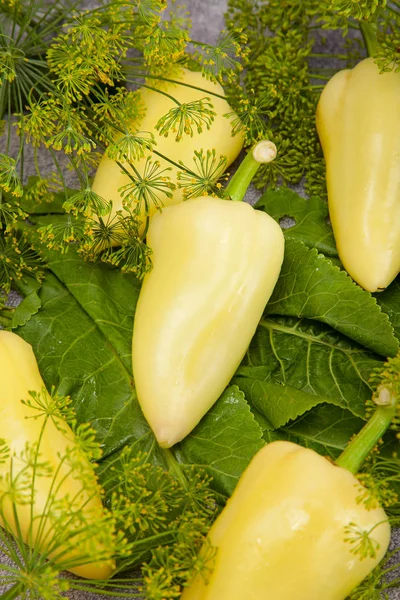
{"points": [[262, 153], [369, 32], [361, 445]]}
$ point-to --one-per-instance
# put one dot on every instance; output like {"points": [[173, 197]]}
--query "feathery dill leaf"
{"points": [[52, 530], [102, 235], [153, 519], [133, 255], [17, 258], [287, 67], [166, 519], [68, 92], [184, 117], [206, 178], [87, 202], [275, 97], [382, 579], [360, 9], [61, 233], [361, 541], [148, 189]]}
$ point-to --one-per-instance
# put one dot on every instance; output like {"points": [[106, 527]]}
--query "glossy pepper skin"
{"points": [[358, 122], [282, 534], [110, 178], [215, 265], [21, 425]]}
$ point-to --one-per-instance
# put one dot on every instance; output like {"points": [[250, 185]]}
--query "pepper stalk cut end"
{"points": [[264, 152]]}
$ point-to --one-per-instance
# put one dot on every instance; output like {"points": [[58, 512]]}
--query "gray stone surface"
{"points": [[208, 21]]}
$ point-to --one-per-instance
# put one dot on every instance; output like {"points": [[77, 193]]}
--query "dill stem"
{"points": [[319, 76], [107, 592], [176, 82], [16, 590], [328, 55], [174, 467], [175, 164], [3, 98], [262, 153], [158, 91], [361, 445]]}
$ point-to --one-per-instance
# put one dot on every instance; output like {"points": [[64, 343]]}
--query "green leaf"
{"points": [[79, 360], [389, 301], [277, 402], [82, 339], [327, 430], [310, 286], [293, 365], [228, 425], [311, 227], [107, 295], [25, 310], [311, 218], [28, 288]]}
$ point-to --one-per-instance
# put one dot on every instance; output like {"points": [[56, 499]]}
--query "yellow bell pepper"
{"points": [[286, 533], [358, 122], [109, 178], [29, 431], [215, 265]]}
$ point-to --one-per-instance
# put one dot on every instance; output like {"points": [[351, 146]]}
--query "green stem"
{"points": [[107, 592], [174, 467], [158, 91], [369, 32], [174, 81], [361, 445], [16, 590], [3, 98], [263, 152], [328, 55]]}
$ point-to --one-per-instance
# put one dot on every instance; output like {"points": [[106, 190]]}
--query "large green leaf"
{"points": [[310, 286], [228, 425], [293, 365], [82, 339], [77, 358], [309, 218], [389, 301], [30, 304], [327, 430]]}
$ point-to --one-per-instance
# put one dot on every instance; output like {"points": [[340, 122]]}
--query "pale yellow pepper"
{"points": [[215, 265], [26, 428], [290, 532], [110, 177], [358, 122]]}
